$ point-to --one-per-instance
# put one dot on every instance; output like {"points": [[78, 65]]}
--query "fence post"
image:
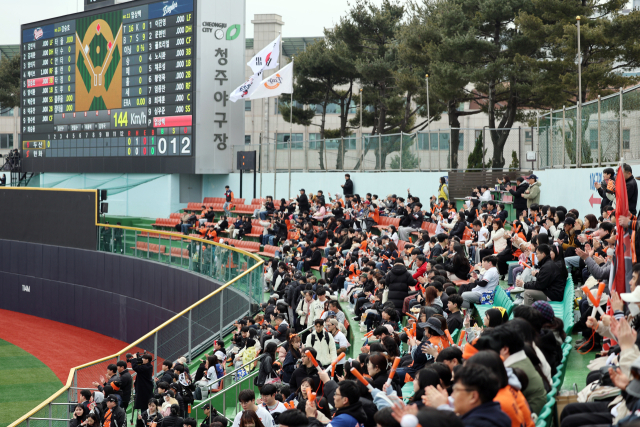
{"points": [[401, 134], [599, 146], [221, 313], [621, 132], [484, 137], [520, 144], [169, 257], [563, 134], [550, 140], [50, 415], [380, 150], [189, 339], [537, 132], [155, 353]]}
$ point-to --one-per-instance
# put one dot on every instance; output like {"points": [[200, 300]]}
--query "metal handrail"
{"points": [[236, 370], [72, 371]]}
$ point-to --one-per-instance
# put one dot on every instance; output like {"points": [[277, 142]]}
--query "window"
{"points": [[626, 139], [6, 140], [334, 143], [277, 107], [283, 141], [593, 139], [528, 137], [247, 139], [478, 134], [247, 105], [444, 141], [6, 111]]}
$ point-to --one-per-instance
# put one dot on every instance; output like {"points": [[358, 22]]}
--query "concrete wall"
{"points": [[422, 184], [571, 188]]}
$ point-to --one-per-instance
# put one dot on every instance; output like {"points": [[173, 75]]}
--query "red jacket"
{"points": [[421, 270]]}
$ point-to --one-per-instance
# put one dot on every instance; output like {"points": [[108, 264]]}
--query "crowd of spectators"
{"points": [[411, 291]]}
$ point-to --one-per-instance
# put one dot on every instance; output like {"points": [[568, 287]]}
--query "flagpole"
{"points": [[290, 130], [275, 156], [579, 109]]}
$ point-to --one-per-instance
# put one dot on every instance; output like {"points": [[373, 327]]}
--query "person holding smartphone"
{"points": [[151, 416]]}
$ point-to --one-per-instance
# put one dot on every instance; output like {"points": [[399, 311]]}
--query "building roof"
{"points": [[9, 50], [291, 45]]}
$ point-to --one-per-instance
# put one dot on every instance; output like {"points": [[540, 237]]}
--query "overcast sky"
{"points": [[301, 17]]}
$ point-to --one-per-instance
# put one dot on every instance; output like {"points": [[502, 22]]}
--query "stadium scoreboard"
{"points": [[119, 89]]}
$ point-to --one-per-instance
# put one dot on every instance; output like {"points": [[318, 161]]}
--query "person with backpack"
{"points": [[267, 371], [292, 357], [323, 343]]}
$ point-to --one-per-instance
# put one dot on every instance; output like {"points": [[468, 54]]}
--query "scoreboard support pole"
{"points": [[241, 183], [255, 174]]}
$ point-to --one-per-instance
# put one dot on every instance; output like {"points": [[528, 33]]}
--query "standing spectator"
{"points": [[632, 187], [323, 343], [112, 375], [607, 175], [398, 281], [443, 190], [151, 415], [125, 383], [143, 384], [247, 400], [228, 195], [519, 202], [532, 194], [341, 342], [347, 187], [303, 201]]}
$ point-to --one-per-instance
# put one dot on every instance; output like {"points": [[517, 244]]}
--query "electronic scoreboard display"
{"points": [[115, 90]]}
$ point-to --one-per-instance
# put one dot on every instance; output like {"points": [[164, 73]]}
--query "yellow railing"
{"points": [[73, 374]]}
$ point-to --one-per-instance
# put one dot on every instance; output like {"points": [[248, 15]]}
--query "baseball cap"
{"points": [[302, 189], [631, 296], [111, 398], [333, 322], [393, 196], [532, 177], [569, 221], [207, 406], [435, 324]]}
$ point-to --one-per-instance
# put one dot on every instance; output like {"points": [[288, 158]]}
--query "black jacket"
{"points": [[300, 374], [303, 203], [549, 280], [632, 194], [486, 415], [117, 418], [348, 187], [171, 421], [416, 220], [458, 229], [519, 202], [321, 238], [458, 266], [143, 384], [398, 280], [454, 321], [126, 382]]}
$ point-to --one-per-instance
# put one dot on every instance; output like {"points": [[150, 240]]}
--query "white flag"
{"points": [[267, 58], [245, 90], [277, 84]]}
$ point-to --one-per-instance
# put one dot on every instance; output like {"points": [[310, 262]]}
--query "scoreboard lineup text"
{"points": [[112, 84]]}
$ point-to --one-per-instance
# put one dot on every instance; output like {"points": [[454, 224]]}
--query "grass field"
{"points": [[24, 382]]}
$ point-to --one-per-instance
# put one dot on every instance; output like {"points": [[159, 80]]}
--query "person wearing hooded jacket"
{"points": [[532, 194], [398, 280], [143, 384]]}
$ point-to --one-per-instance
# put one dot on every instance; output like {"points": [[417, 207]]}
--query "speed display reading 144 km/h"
{"points": [[117, 84]]}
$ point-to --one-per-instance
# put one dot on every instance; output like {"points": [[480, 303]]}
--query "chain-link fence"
{"points": [[188, 333], [433, 150], [609, 126]]}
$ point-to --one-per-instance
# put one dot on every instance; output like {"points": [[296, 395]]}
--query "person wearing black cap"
{"points": [[415, 223], [114, 416], [549, 284], [303, 201], [532, 194]]}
